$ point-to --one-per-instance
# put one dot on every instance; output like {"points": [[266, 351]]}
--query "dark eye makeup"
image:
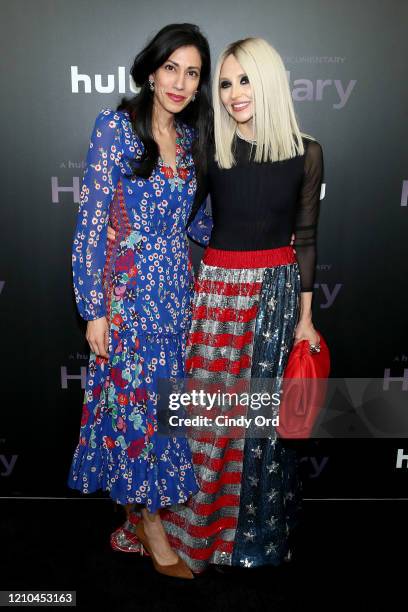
{"points": [[224, 83]]}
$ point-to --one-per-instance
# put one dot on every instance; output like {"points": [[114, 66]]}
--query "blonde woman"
{"points": [[252, 302]]}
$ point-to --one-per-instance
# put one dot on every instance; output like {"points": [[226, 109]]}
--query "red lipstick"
{"points": [[176, 98]]}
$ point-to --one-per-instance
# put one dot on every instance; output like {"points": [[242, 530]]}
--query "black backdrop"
{"points": [[63, 62]]}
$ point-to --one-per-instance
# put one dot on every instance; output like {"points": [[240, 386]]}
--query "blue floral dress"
{"points": [[143, 284]]}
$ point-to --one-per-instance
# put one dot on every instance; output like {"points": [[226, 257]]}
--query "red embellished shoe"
{"points": [[124, 538]]}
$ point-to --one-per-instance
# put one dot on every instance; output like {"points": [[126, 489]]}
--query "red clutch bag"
{"points": [[303, 389]]}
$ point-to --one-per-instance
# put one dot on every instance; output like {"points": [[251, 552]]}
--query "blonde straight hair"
{"points": [[276, 129]]}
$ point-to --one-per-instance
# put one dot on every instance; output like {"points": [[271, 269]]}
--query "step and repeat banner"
{"points": [[65, 61]]}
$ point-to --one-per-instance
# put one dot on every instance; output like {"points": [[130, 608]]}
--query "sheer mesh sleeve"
{"points": [[100, 178], [307, 214], [200, 223]]}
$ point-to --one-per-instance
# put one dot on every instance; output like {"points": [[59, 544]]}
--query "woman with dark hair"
{"points": [[141, 176]]}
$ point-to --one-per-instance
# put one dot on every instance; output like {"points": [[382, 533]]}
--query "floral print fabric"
{"points": [[143, 284]]}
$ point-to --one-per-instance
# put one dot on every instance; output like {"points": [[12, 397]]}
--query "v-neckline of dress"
{"points": [[179, 152]]}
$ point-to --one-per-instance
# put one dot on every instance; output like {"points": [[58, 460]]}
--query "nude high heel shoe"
{"points": [[176, 570]]}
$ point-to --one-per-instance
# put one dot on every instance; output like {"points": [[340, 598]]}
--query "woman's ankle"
{"points": [[129, 508], [150, 518]]}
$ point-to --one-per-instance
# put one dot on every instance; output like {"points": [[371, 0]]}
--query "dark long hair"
{"points": [[197, 114]]}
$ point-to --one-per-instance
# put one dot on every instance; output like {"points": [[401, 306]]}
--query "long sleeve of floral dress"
{"points": [[307, 215], [199, 229], [99, 183]]}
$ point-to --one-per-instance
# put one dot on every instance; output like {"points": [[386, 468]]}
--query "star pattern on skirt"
{"points": [[270, 548], [251, 509], [257, 451], [271, 522], [254, 481], [272, 494], [273, 467]]}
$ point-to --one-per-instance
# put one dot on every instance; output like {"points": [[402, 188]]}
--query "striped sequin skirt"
{"points": [[245, 312]]}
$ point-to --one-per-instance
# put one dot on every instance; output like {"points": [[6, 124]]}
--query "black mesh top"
{"points": [[258, 206]]}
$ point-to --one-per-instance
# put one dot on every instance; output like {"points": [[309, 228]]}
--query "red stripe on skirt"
{"points": [[227, 478], [233, 340], [221, 502], [231, 289], [240, 315], [232, 454], [203, 531], [249, 259], [200, 553], [222, 364]]}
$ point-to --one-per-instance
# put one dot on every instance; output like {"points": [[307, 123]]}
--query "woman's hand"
{"points": [[97, 334], [111, 233], [306, 331]]}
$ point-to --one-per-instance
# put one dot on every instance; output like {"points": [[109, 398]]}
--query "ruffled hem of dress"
{"points": [[145, 487]]}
